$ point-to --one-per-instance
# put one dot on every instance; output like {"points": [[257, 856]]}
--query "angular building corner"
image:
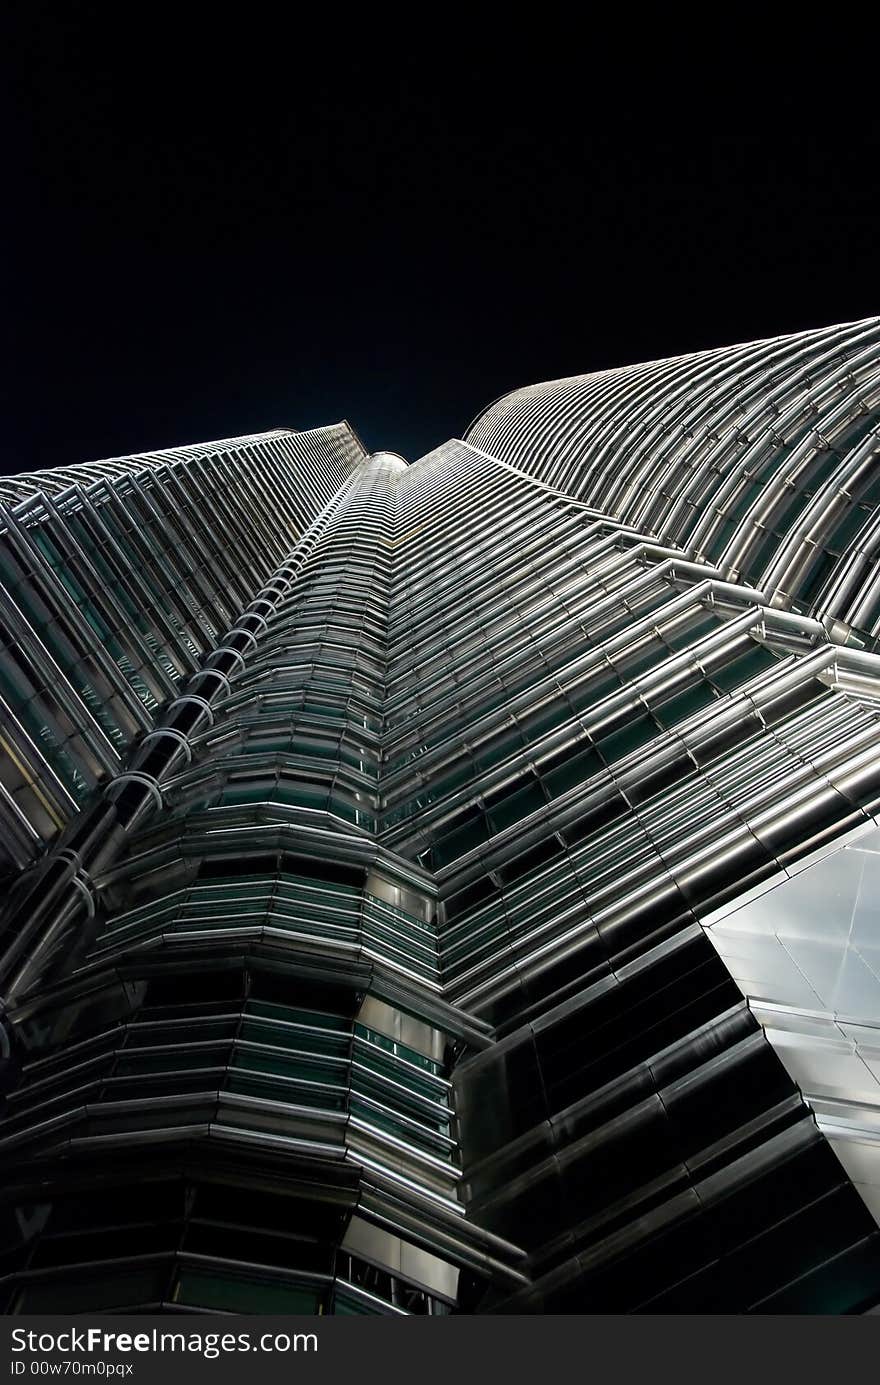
{"points": [[449, 887]]}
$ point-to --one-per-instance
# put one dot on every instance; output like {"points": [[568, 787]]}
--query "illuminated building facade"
{"points": [[449, 887]]}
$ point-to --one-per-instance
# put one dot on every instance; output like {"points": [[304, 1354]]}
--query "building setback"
{"points": [[451, 886]]}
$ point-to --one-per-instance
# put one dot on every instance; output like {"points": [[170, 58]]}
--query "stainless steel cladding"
{"points": [[446, 887]]}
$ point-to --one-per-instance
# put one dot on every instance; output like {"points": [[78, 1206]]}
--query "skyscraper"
{"points": [[449, 886]]}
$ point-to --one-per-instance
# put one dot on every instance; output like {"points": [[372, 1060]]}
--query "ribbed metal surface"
{"points": [[118, 577], [413, 951], [759, 458]]}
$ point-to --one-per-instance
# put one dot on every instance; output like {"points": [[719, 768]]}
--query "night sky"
{"points": [[212, 233]]}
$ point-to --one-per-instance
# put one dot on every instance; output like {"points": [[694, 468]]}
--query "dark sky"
{"points": [[211, 233]]}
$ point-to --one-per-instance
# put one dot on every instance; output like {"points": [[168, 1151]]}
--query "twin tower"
{"points": [[452, 887]]}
